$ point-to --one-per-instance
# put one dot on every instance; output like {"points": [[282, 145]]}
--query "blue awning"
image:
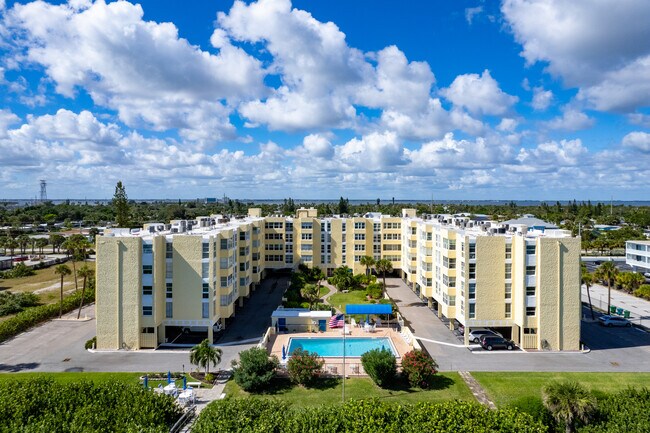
{"points": [[368, 309]]}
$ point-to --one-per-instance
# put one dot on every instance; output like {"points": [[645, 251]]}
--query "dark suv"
{"points": [[490, 342]]}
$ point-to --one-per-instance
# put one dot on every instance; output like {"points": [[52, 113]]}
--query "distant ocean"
{"points": [[25, 202]]}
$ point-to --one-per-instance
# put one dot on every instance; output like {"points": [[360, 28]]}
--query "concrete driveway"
{"points": [[58, 346], [625, 349]]}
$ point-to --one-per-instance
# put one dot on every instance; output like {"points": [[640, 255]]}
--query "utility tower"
{"points": [[43, 190]]}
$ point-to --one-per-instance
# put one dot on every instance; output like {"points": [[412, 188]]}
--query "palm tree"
{"points": [[76, 246], [588, 281], [41, 243], [383, 266], [203, 354], [310, 292], [62, 270], [342, 278], [56, 240], [607, 272], [84, 272], [12, 244], [568, 402], [23, 241], [367, 261]]}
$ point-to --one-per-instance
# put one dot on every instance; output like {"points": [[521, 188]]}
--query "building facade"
{"points": [[637, 255], [165, 278]]}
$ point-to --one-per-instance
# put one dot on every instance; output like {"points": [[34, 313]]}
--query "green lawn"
{"points": [[339, 300], [504, 388], [95, 377], [324, 290], [449, 387]]}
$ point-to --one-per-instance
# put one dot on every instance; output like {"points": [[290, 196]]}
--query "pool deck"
{"points": [[334, 365]]}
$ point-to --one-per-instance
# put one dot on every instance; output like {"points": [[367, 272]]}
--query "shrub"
{"points": [[92, 343], [11, 303], [255, 369], [304, 367], [643, 291], [363, 416], [534, 407], [380, 365], [32, 316], [43, 405], [19, 271], [374, 290], [625, 411], [419, 368], [209, 378]]}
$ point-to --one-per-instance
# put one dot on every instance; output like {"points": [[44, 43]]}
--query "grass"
{"points": [[339, 300], [44, 278], [449, 386], [505, 388], [94, 377], [324, 291]]}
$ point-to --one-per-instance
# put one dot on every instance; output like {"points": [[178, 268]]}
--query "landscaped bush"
{"points": [[419, 368], [32, 316], [360, 416], [380, 365], [534, 407], [627, 411], [91, 344], [303, 367], [43, 405], [375, 290], [19, 271], [643, 291], [11, 303], [255, 369]]}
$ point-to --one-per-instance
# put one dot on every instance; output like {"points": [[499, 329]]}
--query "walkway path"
{"points": [[477, 390], [332, 291]]}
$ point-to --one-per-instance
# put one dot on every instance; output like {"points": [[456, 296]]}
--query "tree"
{"points": [[303, 367], [255, 369], [568, 402], [630, 281], [76, 246], [588, 281], [121, 205], [607, 272], [311, 293], [84, 272], [342, 278], [12, 244], [380, 365], [23, 241], [40, 244], [419, 368], [367, 261], [383, 266], [344, 206], [203, 354], [62, 270], [56, 240]]}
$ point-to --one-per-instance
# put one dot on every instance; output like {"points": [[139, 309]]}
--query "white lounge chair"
{"points": [[353, 322]]}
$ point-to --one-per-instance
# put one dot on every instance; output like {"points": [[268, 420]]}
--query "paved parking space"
{"points": [[626, 349]]}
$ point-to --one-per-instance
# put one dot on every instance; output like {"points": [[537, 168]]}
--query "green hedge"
{"points": [[44, 405], [360, 416], [627, 411], [33, 316]]}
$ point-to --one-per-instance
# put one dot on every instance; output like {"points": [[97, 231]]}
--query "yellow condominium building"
{"points": [[521, 278]]}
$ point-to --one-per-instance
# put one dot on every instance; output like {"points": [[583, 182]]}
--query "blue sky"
{"points": [[519, 99]]}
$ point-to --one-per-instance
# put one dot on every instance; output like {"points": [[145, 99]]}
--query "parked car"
{"points": [[476, 334], [614, 321], [495, 342]]}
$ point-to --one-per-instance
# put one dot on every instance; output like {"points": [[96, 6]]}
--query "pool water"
{"points": [[333, 347]]}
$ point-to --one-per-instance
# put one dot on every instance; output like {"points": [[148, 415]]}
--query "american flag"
{"points": [[337, 321]]}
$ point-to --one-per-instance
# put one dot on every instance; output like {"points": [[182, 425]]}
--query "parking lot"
{"points": [[608, 349]]}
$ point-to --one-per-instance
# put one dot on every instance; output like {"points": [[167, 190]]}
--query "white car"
{"points": [[614, 321], [476, 334]]}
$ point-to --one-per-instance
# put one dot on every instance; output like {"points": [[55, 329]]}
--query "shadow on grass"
{"points": [[438, 383], [281, 386]]}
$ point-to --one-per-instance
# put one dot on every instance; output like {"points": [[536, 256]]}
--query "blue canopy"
{"points": [[368, 309]]}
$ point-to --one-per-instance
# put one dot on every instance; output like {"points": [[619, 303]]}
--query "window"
{"points": [[530, 331], [288, 258], [306, 226], [306, 236], [472, 251], [530, 311], [148, 330], [471, 294], [205, 269], [147, 248], [414, 231], [224, 281], [224, 244], [530, 270], [472, 311], [205, 310], [530, 291], [508, 311], [273, 236], [147, 310], [508, 271], [472, 271], [147, 269], [359, 226], [273, 247], [206, 250], [169, 309], [274, 225], [306, 247], [392, 226], [508, 291], [343, 227], [168, 291], [206, 291], [508, 251], [530, 248], [307, 258], [289, 248], [359, 236], [359, 247], [169, 251], [147, 290]]}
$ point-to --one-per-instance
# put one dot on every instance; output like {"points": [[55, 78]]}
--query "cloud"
{"points": [[639, 119], [318, 146], [541, 98], [604, 51], [7, 118], [479, 94], [507, 124], [550, 155], [140, 68], [571, 120], [637, 141], [470, 13]]}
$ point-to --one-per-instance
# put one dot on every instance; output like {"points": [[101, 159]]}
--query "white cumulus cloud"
{"points": [[479, 94]]}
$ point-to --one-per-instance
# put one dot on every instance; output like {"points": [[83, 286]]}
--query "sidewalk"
{"points": [[639, 308]]}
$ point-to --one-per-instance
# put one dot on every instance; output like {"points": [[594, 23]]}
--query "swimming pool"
{"points": [[333, 346]]}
